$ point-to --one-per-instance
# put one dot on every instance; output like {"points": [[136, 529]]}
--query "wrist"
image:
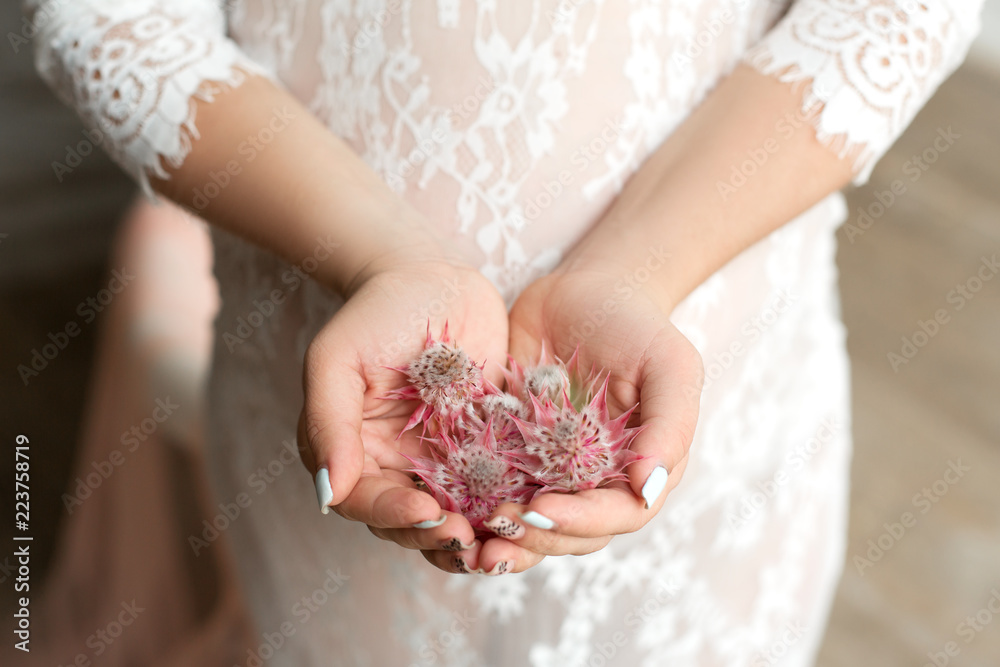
{"points": [[403, 239], [627, 264]]}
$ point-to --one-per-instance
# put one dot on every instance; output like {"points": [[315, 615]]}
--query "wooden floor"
{"points": [[941, 406]]}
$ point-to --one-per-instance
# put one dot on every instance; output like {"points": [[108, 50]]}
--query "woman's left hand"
{"points": [[621, 327]]}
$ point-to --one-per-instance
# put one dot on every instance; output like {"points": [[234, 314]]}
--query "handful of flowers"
{"points": [[550, 431]]}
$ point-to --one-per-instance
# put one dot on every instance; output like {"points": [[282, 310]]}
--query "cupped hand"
{"points": [[347, 431], [621, 327]]}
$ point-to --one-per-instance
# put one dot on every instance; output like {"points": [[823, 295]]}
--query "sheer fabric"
{"points": [[470, 111]]}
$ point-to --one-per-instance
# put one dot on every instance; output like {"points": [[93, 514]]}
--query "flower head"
{"points": [[550, 430], [444, 379], [572, 450], [553, 379], [473, 476]]}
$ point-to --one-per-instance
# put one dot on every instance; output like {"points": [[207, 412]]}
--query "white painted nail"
{"points": [[538, 521], [431, 523], [324, 492], [655, 483]]}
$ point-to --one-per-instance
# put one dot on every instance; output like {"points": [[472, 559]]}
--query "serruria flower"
{"points": [[552, 379], [445, 381], [570, 450], [499, 408], [472, 476], [549, 430]]}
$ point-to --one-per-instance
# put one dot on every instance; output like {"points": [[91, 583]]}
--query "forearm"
{"points": [[684, 200], [265, 169]]}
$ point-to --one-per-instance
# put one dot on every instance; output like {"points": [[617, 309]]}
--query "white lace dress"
{"points": [[468, 109]]}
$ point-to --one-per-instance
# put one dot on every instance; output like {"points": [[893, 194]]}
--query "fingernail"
{"points": [[538, 521], [655, 483], [455, 544], [503, 567], [430, 523], [324, 492], [505, 527], [461, 566]]}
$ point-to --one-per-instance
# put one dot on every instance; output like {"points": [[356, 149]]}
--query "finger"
{"points": [[669, 398], [592, 514], [456, 562], [330, 425], [566, 526], [455, 534], [382, 502], [499, 556]]}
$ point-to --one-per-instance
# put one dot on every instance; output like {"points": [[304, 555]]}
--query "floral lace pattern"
{"points": [[514, 125], [871, 64], [132, 68]]}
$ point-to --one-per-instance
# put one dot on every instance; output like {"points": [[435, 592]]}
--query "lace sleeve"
{"points": [[869, 65], [132, 69]]}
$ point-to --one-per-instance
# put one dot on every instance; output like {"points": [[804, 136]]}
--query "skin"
{"points": [[391, 266]]}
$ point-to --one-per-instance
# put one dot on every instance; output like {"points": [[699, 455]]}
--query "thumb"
{"points": [[669, 400], [329, 431]]}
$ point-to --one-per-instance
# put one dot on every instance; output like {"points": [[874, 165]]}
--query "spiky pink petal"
{"points": [[568, 450], [474, 477], [444, 379]]}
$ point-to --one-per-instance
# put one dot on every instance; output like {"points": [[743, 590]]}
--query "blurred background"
{"points": [[924, 337]]}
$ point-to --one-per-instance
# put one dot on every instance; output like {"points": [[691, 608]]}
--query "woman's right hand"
{"points": [[346, 428]]}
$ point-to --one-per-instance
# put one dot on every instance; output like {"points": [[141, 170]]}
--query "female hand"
{"points": [[348, 433], [621, 327]]}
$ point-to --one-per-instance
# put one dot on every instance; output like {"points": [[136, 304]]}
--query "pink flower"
{"points": [[472, 476], [549, 431], [444, 380], [570, 450]]}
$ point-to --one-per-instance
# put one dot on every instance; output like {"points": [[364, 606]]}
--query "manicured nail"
{"points": [[455, 544], [538, 521], [655, 483], [503, 567], [505, 527], [324, 492], [430, 523], [461, 566]]}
